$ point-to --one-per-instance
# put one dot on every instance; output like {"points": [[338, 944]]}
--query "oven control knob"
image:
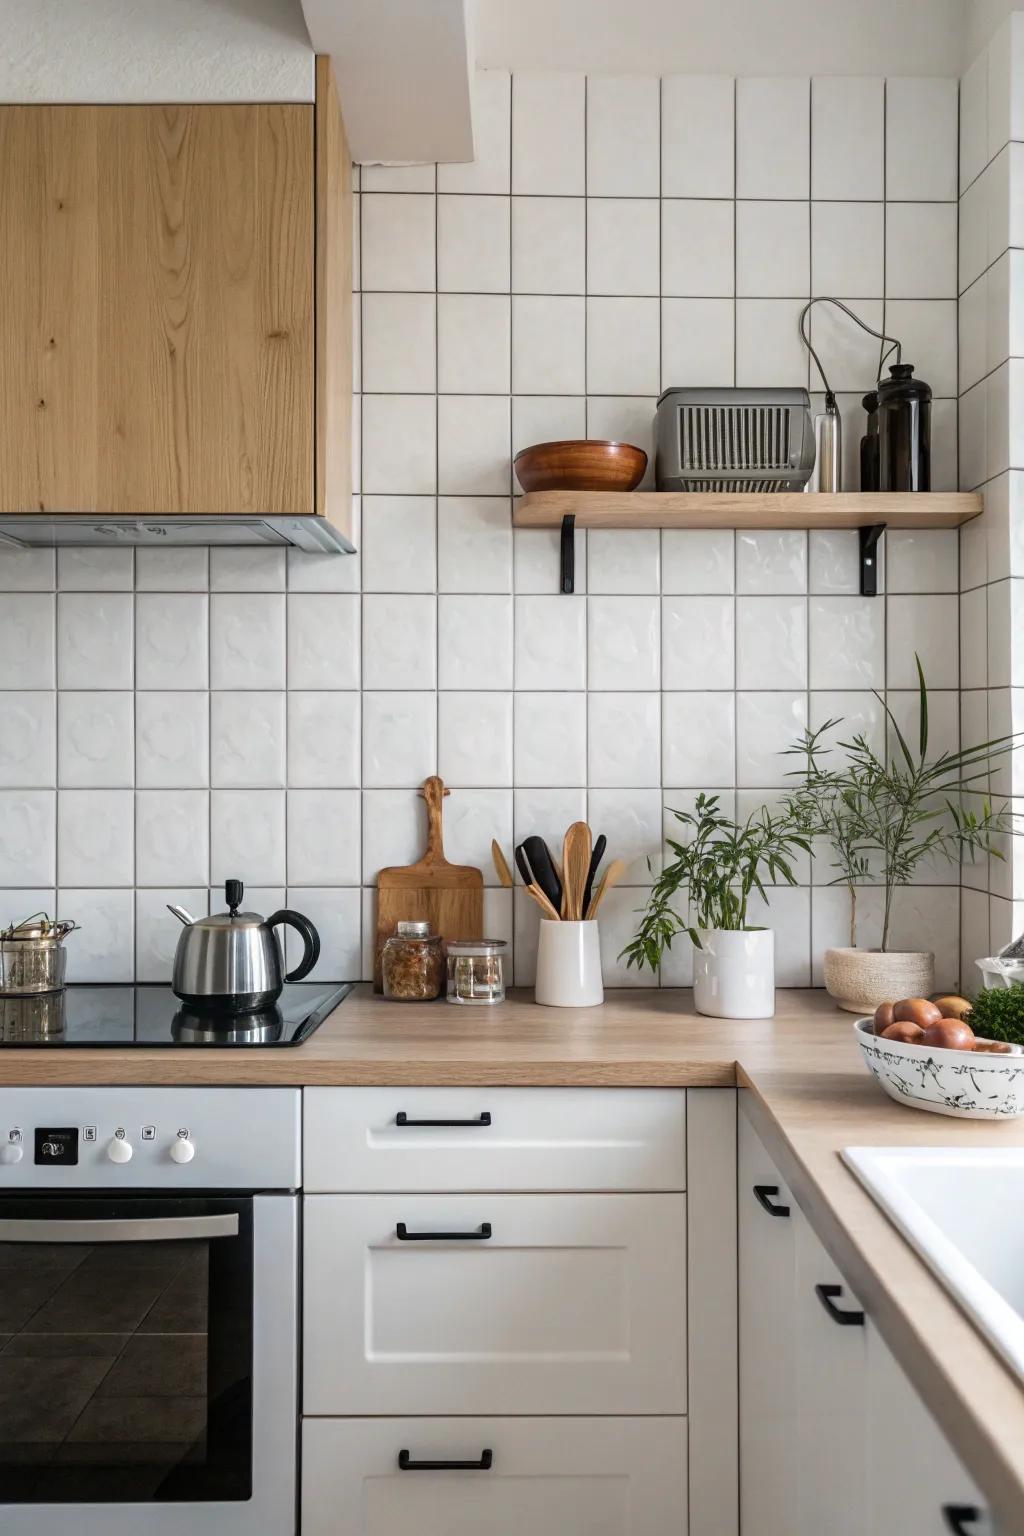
{"points": [[119, 1149], [10, 1152], [182, 1150]]}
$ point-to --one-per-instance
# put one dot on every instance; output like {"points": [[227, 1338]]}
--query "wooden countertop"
{"points": [[806, 1092]]}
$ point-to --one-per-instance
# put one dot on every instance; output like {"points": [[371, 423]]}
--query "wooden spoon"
{"points": [[612, 875], [501, 864], [576, 851]]}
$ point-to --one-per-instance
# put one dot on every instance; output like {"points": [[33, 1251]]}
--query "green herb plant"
{"points": [[998, 1014], [718, 867], [883, 817]]}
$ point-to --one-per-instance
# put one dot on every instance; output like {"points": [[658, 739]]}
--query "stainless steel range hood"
{"points": [[315, 535]]}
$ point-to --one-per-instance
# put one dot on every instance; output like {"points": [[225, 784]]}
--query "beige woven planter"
{"points": [[860, 979]]}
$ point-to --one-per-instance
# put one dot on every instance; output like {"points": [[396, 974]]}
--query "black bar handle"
{"points": [[959, 1516], [403, 1119], [764, 1193], [482, 1233], [851, 1318], [406, 1464]]}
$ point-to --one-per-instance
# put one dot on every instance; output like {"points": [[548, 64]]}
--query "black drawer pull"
{"points": [[403, 1119], [959, 1516], [480, 1235], [406, 1464], [849, 1319], [764, 1193]]}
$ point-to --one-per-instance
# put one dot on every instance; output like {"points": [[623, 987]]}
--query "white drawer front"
{"points": [[365, 1139], [573, 1304], [548, 1477]]}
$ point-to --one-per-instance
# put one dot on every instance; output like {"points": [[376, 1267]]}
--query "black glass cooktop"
{"points": [[151, 1015]]}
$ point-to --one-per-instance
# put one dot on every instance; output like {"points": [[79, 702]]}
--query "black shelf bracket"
{"points": [[567, 581], [869, 538]]}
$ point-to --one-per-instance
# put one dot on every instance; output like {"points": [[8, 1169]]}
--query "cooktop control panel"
{"points": [[149, 1138]]}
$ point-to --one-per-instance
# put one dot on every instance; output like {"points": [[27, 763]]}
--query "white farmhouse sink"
{"points": [[961, 1209]]}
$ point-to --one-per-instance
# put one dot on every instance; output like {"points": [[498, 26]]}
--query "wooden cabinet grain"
{"points": [[175, 304]]}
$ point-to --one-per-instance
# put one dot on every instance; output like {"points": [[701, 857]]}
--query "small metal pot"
{"points": [[32, 956]]}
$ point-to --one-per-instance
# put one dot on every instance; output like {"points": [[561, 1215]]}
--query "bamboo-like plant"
{"points": [[719, 867], [884, 817]]}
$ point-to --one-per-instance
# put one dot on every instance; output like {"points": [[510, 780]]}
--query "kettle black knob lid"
{"points": [[233, 890]]}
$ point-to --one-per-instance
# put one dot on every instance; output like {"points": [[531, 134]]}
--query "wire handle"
{"points": [[881, 335]]}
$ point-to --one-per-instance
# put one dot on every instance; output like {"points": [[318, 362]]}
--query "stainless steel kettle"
{"points": [[232, 960]]}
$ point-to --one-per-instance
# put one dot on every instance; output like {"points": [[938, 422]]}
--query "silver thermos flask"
{"points": [[828, 448]]}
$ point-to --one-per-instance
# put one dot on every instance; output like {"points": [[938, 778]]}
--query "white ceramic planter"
{"points": [[569, 965], [860, 979], [734, 973]]}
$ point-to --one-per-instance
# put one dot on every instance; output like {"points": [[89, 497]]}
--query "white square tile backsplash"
{"points": [[247, 713]]}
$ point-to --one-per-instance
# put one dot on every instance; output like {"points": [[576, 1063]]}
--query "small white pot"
{"points": [[860, 979], [734, 973], [569, 965]]}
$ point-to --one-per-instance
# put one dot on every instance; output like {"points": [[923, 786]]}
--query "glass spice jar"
{"points": [[412, 964], [476, 970]]}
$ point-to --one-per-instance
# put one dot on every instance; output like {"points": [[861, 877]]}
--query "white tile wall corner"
{"points": [[174, 717], [991, 340]]}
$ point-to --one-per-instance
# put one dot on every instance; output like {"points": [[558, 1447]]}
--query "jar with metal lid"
{"points": [[412, 964], [476, 970], [32, 955]]}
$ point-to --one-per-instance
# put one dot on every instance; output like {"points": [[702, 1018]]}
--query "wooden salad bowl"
{"points": [[580, 466]]}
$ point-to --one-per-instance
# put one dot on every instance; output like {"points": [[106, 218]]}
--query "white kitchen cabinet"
{"points": [[539, 1304], [767, 1343], [546, 1477], [916, 1485], [515, 1139], [831, 1385]]}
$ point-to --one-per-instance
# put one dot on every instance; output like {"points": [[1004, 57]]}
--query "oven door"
{"points": [[148, 1364]]}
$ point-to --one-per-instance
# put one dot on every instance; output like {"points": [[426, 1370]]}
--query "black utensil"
{"points": [[544, 873], [523, 865], [533, 886], [595, 859]]}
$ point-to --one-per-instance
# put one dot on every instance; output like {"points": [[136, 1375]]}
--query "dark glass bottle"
{"points": [[869, 444], [904, 431]]}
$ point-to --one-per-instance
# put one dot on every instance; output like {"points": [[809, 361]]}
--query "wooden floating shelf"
{"points": [[787, 509]]}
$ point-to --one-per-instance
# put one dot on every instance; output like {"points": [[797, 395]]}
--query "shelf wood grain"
{"points": [[690, 509]]}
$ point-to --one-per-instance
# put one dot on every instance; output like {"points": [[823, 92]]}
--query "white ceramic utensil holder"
{"points": [[569, 965], [734, 973]]}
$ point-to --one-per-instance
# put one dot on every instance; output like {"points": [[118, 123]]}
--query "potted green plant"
{"points": [[883, 818], [718, 866]]}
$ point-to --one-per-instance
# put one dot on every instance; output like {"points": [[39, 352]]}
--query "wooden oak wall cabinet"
{"points": [[175, 306]]}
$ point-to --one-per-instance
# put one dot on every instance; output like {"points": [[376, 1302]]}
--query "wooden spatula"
{"points": [[448, 896], [612, 875], [576, 852]]}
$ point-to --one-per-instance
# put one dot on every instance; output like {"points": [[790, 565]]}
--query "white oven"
{"points": [[149, 1311]]}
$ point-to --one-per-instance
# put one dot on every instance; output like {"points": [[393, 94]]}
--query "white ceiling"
{"points": [[154, 50]]}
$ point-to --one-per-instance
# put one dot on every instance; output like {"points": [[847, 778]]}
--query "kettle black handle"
{"points": [[310, 940], [233, 891]]}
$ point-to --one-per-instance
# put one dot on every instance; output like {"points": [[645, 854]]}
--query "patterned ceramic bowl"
{"points": [[971, 1085]]}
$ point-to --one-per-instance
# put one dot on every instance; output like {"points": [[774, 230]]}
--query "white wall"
{"points": [[272, 719], [734, 37], [154, 50]]}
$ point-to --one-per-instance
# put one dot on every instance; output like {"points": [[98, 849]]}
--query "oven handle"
{"points": [[146, 1229]]}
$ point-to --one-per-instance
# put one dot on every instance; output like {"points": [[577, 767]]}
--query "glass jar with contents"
{"points": [[412, 964], [476, 970]]}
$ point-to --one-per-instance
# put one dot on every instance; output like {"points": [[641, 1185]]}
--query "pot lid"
{"points": [[38, 926], [229, 920]]}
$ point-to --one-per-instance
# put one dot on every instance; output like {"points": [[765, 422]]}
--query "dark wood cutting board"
{"points": [[448, 896]]}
